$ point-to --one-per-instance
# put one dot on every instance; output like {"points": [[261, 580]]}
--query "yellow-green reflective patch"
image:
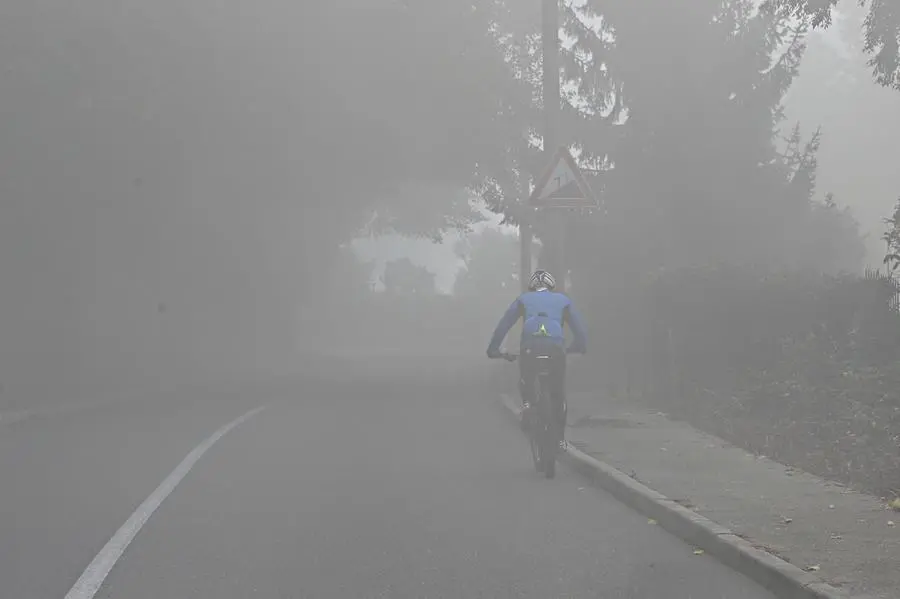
{"points": [[541, 332]]}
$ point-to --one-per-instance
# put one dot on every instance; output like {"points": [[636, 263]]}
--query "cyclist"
{"points": [[545, 312]]}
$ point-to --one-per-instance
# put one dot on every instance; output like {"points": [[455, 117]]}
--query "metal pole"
{"points": [[550, 41], [525, 241], [555, 262]]}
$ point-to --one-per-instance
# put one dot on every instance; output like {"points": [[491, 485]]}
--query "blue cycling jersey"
{"points": [[544, 314]]}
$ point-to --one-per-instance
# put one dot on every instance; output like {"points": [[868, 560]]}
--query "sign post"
{"points": [[561, 188]]}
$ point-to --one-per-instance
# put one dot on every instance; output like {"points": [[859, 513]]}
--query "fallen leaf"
{"points": [[698, 552]]}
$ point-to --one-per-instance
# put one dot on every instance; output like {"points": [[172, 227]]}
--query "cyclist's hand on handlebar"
{"points": [[494, 355]]}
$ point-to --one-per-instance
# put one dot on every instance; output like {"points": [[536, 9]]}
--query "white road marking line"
{"points": [[93, 577]]}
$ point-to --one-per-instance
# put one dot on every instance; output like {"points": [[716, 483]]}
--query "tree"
{"points": [[402, 277], [833, 89], [688, 142], [826, 238], [835, 242], [491, 268], [882, 31], [694, 167], [349, 278], [891, 239], [701, 115], [212, 163], [701, 173]]}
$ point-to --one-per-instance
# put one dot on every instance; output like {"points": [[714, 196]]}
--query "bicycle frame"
{"points": [[542, 430], [543, 427]]}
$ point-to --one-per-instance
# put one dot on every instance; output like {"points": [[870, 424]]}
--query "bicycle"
{"points": [[540, 426]]}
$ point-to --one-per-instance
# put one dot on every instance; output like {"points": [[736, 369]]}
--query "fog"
{"points": [[266, 244], [178, 176], [180, 180]]}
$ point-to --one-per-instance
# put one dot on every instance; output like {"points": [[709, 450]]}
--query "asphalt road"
{"points": [[377, 486]]}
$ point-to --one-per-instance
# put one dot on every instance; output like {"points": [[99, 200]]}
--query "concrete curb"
{"points": [[781, 578]]}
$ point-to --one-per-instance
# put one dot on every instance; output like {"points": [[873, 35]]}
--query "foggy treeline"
{"points": [[178, 178]]}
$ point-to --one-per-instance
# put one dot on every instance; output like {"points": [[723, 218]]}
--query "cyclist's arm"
{"points": [[573, 318], [506, 323]]}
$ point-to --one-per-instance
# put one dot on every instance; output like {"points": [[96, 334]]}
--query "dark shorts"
{"points": [[530, 364]]}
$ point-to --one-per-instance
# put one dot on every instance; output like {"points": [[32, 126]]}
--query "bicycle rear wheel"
{"points": [[534, 440], [547, 439]]}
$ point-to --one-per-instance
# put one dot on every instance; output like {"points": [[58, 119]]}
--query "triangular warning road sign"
{"points": [[562, 185]]}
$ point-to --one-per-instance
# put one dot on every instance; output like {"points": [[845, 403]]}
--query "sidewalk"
{"points": [[846, 538]]}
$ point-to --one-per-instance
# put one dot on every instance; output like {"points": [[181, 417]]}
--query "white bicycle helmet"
{"points": [[541, 279]]}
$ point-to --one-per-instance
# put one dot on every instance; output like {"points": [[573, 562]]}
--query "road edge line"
{"points": [[780, 577], [95, 574]]}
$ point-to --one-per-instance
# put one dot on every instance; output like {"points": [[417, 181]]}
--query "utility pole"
{"points": [[550, 42], [526, 239], [554, 243], [553, 258]]}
